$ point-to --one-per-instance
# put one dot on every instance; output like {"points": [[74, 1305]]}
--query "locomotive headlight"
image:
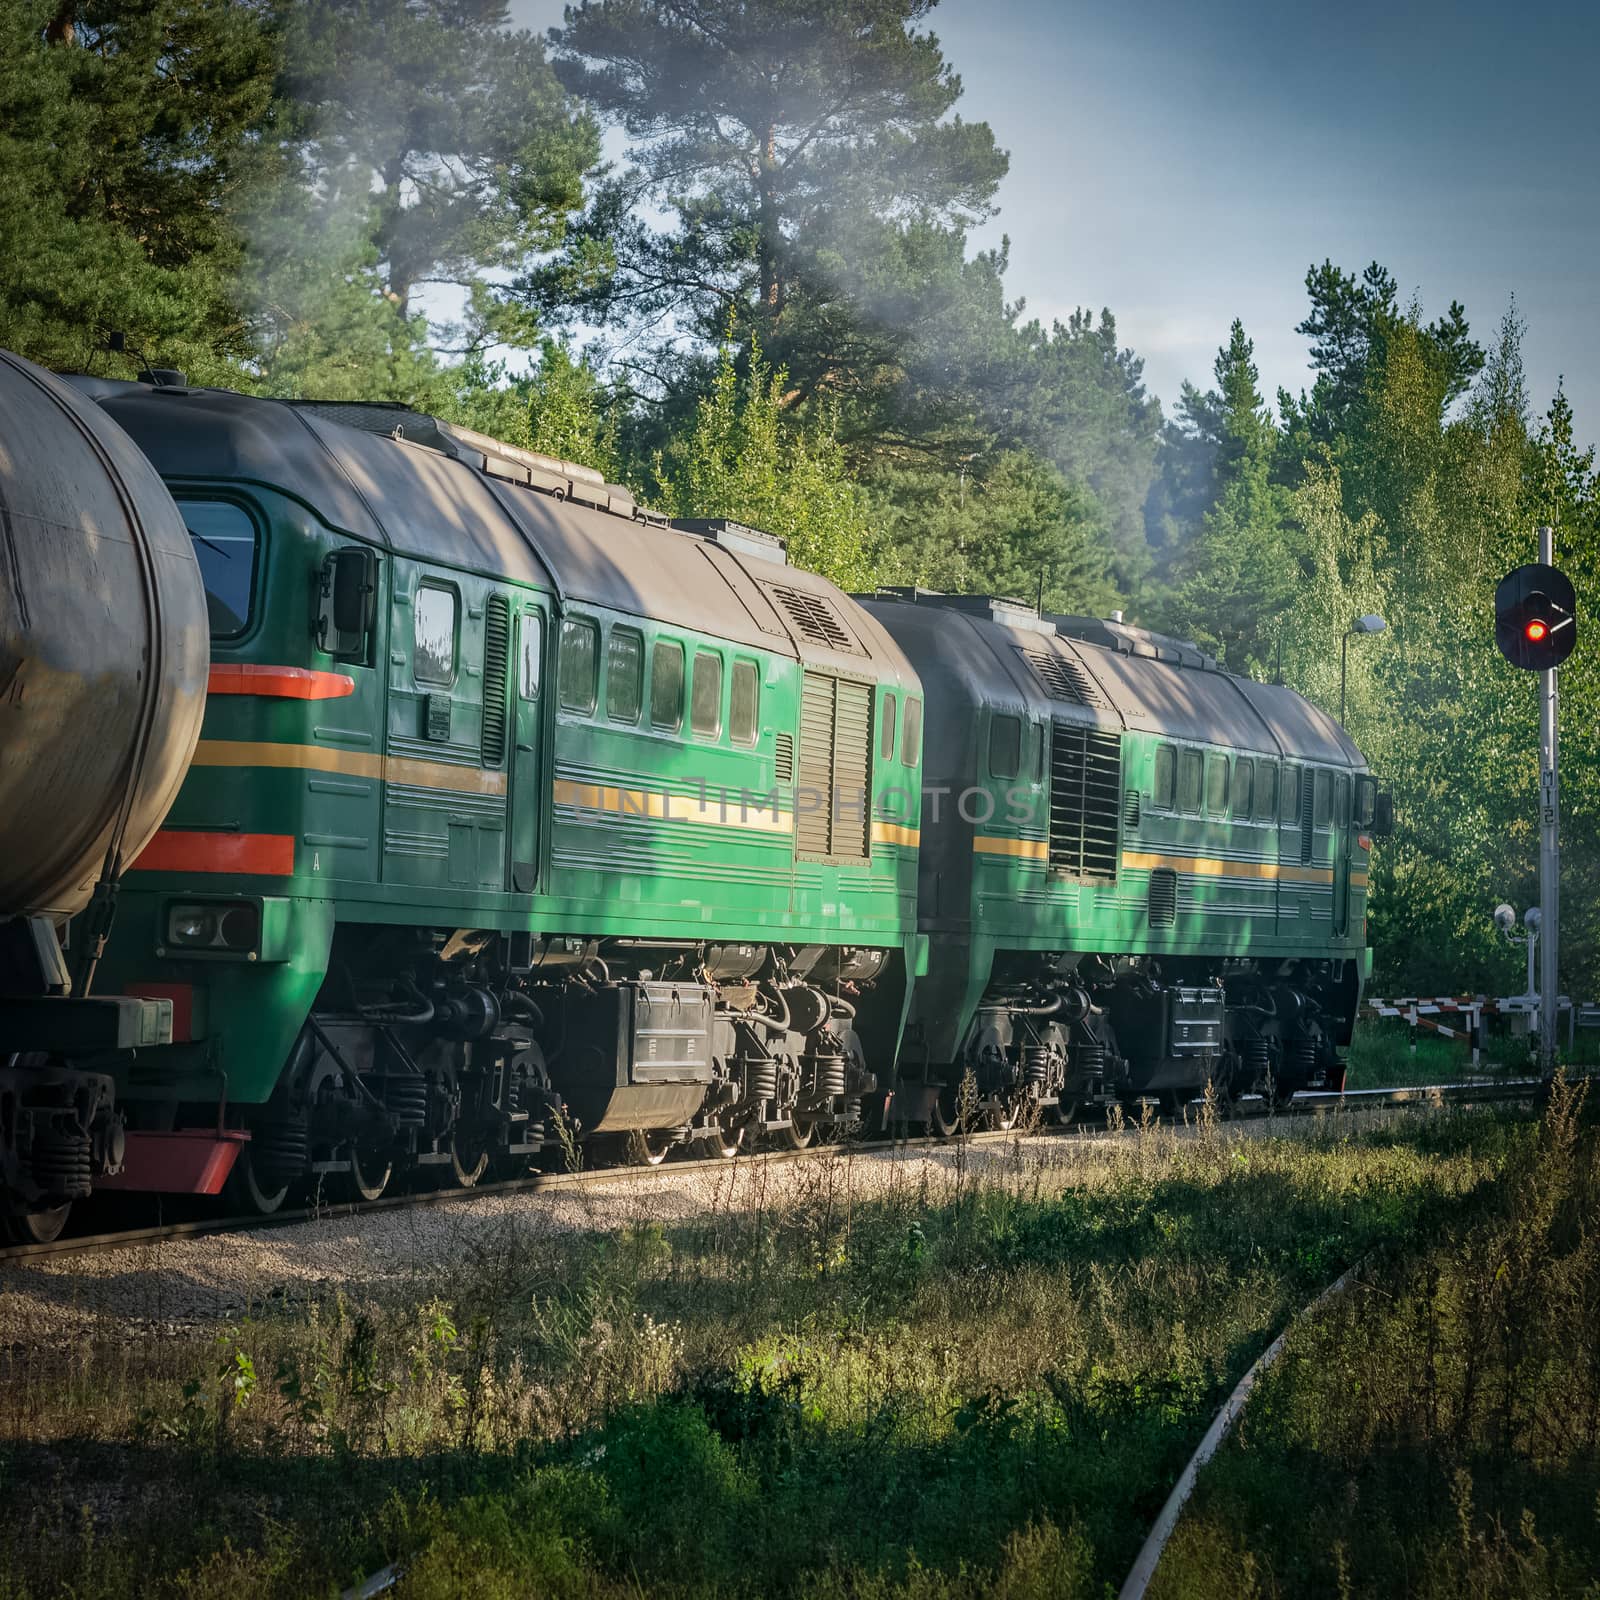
{"points": [[239, 927], [249, 928], [194, 926]]}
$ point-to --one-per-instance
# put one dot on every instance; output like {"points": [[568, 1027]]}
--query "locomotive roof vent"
{"points": [[997, 608], [736, 536], [566, 480], [1127, 640]]}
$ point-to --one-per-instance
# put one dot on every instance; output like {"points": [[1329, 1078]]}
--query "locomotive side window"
{"points": [[1189, 773], [1341, 802], [705, 695], [532, 653], [886, 729], [224, 538], [1324, 799], [1244, 783], [1266, 790], [1161, 794], [578, 670], [1217, 786], [1005, 747], [1290, 813], [666, 686], [744, 701], [911, 732], [624, 675], [434, 635]]}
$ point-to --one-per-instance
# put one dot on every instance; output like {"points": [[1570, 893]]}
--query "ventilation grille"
{"points": [[783, 758], [496, 658], [835, 780], [1308, 789], [816, 619], [1085, 800], [1063, 678], [1163, 897], [1130, 810]]}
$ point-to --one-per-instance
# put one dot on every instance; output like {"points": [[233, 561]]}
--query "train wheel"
{"points": [[37, 1227], [724, 1143], [1001, 1117], [249, 1192], [800, 1132], [1064, 1113], [370, 1171], [944, 1122], [468, 1159], [649, 1149]]}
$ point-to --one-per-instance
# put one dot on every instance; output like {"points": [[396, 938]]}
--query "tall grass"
{"points": [[976, 1376], [1438, 1432]]}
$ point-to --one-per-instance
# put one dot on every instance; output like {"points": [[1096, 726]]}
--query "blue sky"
{"points": [[1184, 163]]}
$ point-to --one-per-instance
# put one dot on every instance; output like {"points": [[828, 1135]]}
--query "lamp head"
{"points": [[1505, 918], [1371, 623]]}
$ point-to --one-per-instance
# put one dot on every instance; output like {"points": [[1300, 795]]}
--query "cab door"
{"points": [[1341, 856], [526, 797]]}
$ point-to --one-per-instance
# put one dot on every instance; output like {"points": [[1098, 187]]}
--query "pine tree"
{"points": [[129, 137], [795, 145], [445, 134]]}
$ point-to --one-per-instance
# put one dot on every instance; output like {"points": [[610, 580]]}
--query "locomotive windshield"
{"points": [[224, 538]]}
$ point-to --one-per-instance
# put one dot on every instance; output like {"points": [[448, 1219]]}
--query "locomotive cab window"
{"points": [[1005, 747], [434, 615], [1217, 786], [1289, 815], [1324, 799], [1166, 778], [886, 729], [224, 538], [666, 686], [1189, 773], [705, 695], [1341, 802], [624, 675], [744, 701], [1244, 785], [578, 671], [911, 732], [1366, 801]]}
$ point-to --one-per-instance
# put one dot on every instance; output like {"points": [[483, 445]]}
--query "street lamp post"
{"points": [[1367, 624]]}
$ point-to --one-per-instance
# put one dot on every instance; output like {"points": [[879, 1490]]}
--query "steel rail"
{"points": [[1251, 1108]]}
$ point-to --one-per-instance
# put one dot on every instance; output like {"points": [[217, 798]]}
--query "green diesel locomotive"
{"points": [[519, 815]]}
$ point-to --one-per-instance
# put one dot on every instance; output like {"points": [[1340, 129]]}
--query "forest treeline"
{"points": [[722, 250]]}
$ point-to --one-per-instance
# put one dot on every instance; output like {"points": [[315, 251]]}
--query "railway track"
{"points": [[1249, 1109]]}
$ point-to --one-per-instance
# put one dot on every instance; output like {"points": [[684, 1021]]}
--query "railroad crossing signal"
{"points": [[1535, 621]]}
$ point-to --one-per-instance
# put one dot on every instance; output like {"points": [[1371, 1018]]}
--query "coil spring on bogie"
{"points": [[1303, 1058], [63, 1166], [1089, 1060], [828, 1080], [405, 1096], [280, 1150], [1257, 1063], [760, 1078], [1036, 1065]]}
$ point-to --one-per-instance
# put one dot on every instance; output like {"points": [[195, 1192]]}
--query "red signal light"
{"points": [[1535, 631]]}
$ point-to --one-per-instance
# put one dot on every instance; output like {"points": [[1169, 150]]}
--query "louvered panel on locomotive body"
{"points": [[1086, 794], [1085, 802], [834, 777]]}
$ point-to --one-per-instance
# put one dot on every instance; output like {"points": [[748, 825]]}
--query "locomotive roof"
{"points": [[440, 504], [1004, 654]]}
